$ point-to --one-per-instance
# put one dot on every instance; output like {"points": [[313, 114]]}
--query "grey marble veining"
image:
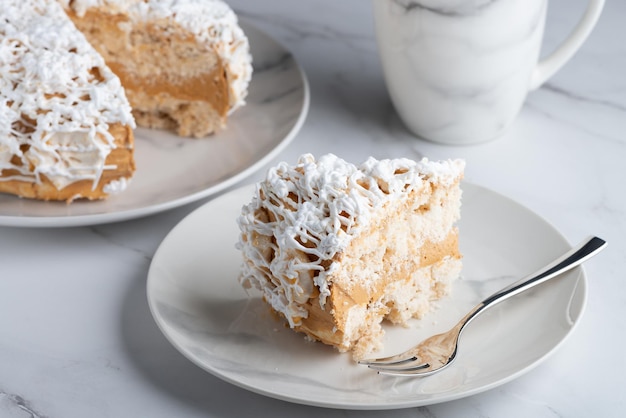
{"points": [[16, 405]]}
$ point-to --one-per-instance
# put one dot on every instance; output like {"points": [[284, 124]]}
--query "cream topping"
{"points": [[212, 22], [116, 186], [57, 97], [301, 217]]}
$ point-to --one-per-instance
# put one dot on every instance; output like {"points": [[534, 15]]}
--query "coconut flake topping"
{"points": [[57, 97]]}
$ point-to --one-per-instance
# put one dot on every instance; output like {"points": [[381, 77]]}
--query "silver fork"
{"points": [[439, 351]]}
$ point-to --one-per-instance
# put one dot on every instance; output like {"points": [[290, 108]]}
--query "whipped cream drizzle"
{"points": [[57, 97], [212, 22], [302, 217]]}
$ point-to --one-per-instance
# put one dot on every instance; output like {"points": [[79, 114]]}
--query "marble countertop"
{"points": [[76, 335]]}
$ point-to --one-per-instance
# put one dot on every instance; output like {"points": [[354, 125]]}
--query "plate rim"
{"points": [[135, 213], [580, 293]]}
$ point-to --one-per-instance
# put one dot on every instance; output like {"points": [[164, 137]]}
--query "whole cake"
{"points": [[336, 248], [185, 64], [66, 127], [65, 124]]}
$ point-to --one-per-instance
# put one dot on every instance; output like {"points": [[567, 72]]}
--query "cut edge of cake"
{"points": [[185, 64]]}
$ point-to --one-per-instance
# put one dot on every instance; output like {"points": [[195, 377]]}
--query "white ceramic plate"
{"points": [[173, 171], [196, 300]]}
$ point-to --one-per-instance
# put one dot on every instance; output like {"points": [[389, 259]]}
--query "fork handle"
{"points": [[567, 261]]}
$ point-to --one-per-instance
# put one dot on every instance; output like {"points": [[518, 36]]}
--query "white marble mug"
{"points": [[458, 71]]}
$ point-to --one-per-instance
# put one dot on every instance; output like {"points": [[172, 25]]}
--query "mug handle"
{"points": [[553, 62]]}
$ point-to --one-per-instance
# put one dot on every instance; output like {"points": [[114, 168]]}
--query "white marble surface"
{"points": [[76, 336]]}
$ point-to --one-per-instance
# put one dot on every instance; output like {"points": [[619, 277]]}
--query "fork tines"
{"points": [[409, 366], [387, 361]]}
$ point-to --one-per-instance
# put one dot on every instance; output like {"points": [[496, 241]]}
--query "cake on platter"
{"points": [[66, 128], [77, 75], [335, 249]]}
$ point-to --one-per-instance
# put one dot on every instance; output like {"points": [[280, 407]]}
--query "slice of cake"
{"points": [[185, 64], [336, 248], [65, 123]]}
